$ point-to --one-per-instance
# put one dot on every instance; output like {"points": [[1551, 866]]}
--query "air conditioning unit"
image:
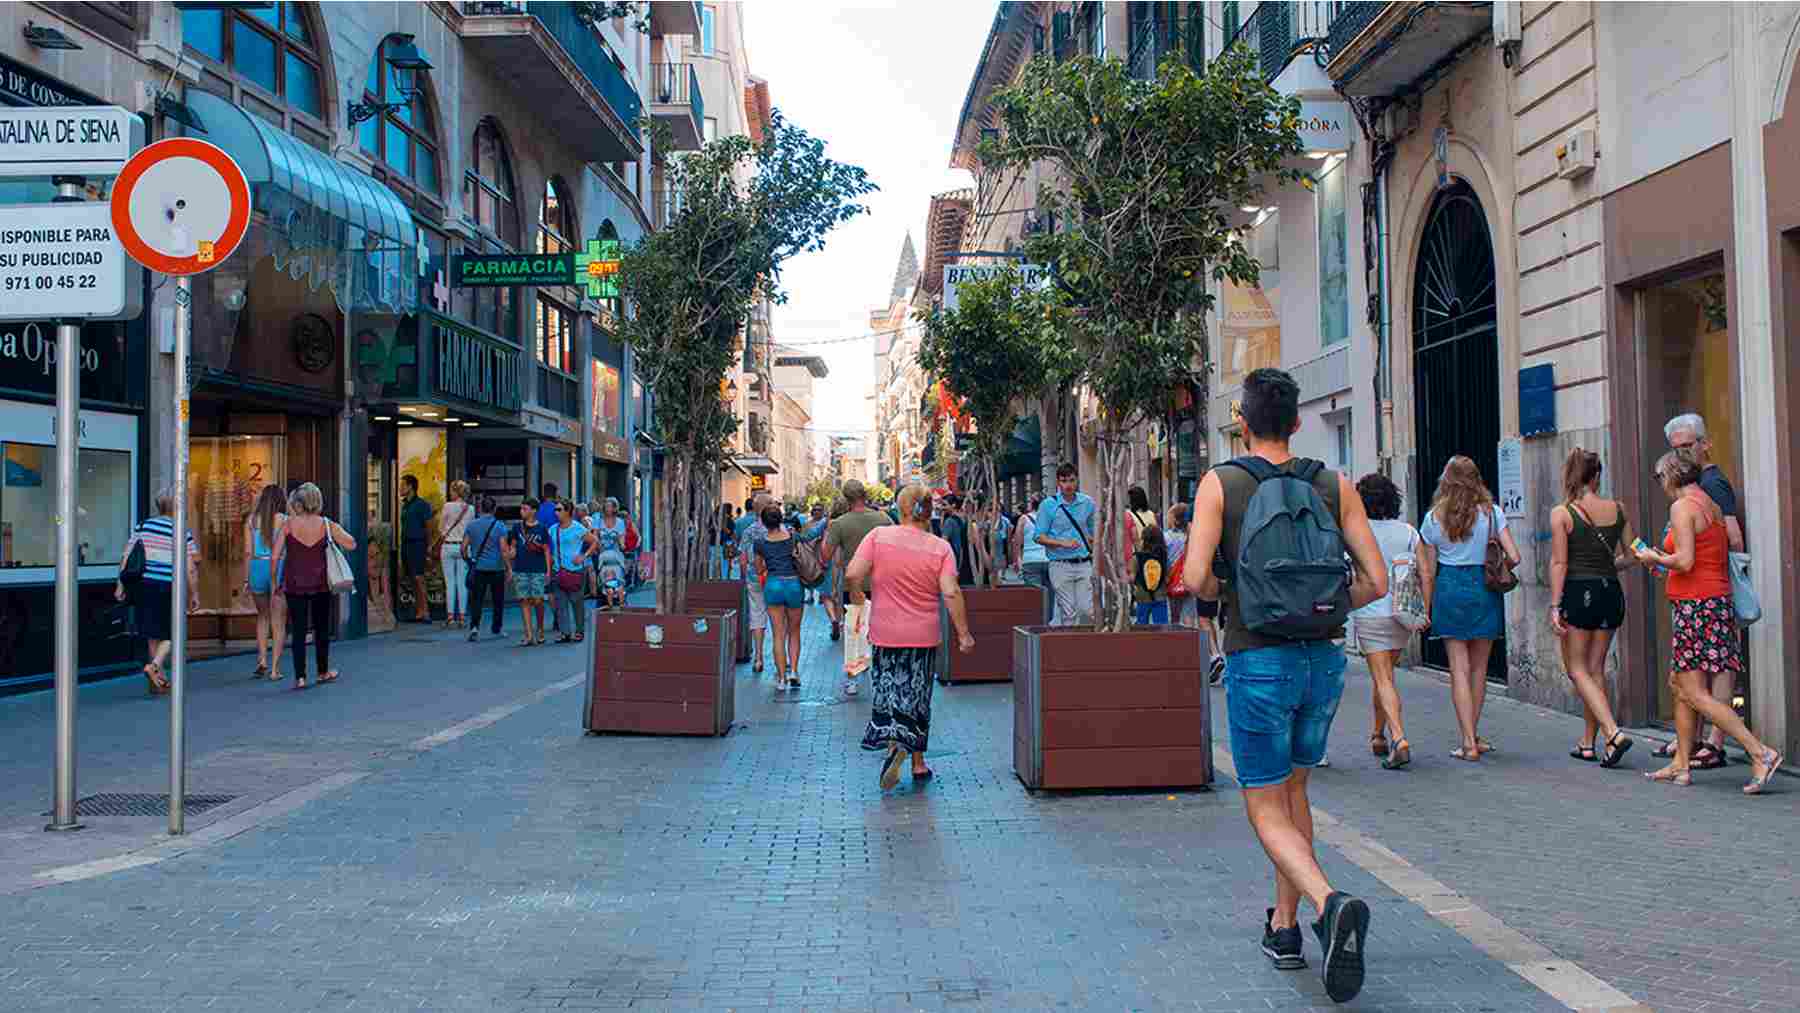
{"points": [[1576, 155]]}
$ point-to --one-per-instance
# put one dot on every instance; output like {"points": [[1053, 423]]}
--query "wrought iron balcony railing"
{"points": [[1349, 20], [1277, 32], [678, 84]]}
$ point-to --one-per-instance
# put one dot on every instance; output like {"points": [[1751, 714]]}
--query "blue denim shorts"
{"points": [[784, 592], [1280, 702]]}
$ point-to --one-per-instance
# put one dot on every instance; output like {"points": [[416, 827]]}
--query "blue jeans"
{"points": [[1152, 613], [1280, 702]]}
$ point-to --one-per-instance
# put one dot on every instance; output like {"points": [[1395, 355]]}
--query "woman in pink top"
{"points": [[911, 567]]}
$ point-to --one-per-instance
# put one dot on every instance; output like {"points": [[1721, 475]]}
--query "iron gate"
{"points": [[1456, 359]]}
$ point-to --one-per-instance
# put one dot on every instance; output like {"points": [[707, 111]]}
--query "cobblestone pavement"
{"points": [[525, 866]]}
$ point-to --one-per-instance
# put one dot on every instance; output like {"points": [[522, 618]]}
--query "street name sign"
{"points": [[67, 140], [61, 261]]}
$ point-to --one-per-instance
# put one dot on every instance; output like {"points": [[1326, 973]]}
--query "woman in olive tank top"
{"points": [[1590, 536]]}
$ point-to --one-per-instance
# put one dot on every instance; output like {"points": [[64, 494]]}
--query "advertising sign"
{"points": [[62, 261], [506, 270], [67, 140], [1325, 126], [1031, 275]]}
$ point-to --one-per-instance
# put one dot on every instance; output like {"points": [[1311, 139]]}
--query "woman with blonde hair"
{"points": [[1465, 614], [261, 529], [301, 575], [453, 527], [1703, 622], [151, 601], [1590, 536], [908, 568]]}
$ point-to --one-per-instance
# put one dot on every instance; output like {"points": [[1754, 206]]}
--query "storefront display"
{"points": [[424, 454], [226, 474]]}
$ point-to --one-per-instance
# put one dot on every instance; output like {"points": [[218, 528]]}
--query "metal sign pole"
{"points": [[178, 597], [68, 559]]}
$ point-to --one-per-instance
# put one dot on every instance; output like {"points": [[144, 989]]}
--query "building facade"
{"points": [[902, 426], [337, 346]]}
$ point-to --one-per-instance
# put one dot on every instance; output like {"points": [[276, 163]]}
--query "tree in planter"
{"points": [[744, 208], [1143, 180], [999, 345]]}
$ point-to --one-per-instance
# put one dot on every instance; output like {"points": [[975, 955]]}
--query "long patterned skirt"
{"points": [[900, 684]]}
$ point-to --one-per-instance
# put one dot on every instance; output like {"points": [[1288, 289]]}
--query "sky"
{"points": [[882, 85]]}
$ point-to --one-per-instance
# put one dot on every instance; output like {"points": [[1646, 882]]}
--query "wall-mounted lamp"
{"points": [[405, 63]]}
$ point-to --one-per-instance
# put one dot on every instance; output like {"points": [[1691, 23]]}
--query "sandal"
{"points": [[1483, 746], [890, 767], [331, 676], [1467, 756], [539, 640], [527, 642], [1378, 744], [1771, 763], [922, 775], [1709, 757], [1666, 750], [1616, 748], [579, 637], [1400, 757], [262, 670], [565, 639], [1669, 775], [153, 675], [299, 683], [1584, 753]]}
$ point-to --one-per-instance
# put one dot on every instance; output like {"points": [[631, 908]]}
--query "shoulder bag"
{"points": [[1406, 589], [132, 573], [469, 577], [1064, 507], [1497, 570], [338, 575], [567, 581], [1744, 600]]}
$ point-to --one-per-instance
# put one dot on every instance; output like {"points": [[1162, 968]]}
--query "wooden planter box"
{"points": [[993, 612], [661, 674], [724, 596], [1110, 710]]}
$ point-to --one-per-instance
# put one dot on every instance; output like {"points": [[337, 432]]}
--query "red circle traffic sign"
{"points": [[181, 206]]}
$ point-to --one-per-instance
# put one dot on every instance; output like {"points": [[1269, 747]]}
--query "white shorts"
{"points": [[856, 640], [1372, 634], [759, 612]]}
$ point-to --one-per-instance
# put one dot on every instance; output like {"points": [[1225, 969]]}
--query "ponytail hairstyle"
{"points": [[915, 503], [1581, 470]]}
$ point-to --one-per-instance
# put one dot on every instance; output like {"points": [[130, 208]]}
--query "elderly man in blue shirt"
{"points": [[1065, 528]]}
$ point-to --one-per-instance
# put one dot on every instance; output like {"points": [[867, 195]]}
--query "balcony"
{"points": [[674, 17], [549, 56], [1382, 49], [676, 102], [1279, 32], [1153, 35]]}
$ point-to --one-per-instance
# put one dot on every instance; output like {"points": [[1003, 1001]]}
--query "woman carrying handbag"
{"points": [[571, 543], [310, 578]]}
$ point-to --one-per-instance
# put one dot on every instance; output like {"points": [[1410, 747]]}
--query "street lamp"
{"points": [[405, 63]]}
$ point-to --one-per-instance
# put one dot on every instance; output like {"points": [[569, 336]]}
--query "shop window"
{"points": [[226, 474], [608, 395], [403, 140], [1250, 331], [1334, 257], [271, 48], [28, 505]]}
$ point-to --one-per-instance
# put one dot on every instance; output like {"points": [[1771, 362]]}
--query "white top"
{"points": [[1395, 538], [1471, 551], [1031, 552], [453, 520]]}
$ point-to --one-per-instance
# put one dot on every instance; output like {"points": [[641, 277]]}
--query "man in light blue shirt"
{"points": [[1065, 528]]}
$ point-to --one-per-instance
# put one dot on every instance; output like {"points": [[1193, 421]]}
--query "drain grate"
{"points": [[144, 804]]}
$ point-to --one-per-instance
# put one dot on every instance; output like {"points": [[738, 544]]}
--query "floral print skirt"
{"points": [[900, 698], [1705, 637]]}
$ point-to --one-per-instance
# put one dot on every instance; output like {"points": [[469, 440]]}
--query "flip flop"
{"points": [[890, 767]]}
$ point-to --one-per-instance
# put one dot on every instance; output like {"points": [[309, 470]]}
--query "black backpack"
{"points": [[1290, 572]]}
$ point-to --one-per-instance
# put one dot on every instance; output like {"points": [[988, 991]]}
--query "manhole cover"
{"points": [[143, 804]]}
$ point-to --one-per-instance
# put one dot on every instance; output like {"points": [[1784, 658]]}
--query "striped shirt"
{"points": [[158, 536]]}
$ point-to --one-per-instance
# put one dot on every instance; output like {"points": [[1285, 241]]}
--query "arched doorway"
{"points": [[1456, 356]]}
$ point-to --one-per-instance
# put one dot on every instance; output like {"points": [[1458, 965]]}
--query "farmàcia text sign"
{"points": [[595, 268]]}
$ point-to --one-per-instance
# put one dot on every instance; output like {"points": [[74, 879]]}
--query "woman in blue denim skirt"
{"points": [[1464, 613]]}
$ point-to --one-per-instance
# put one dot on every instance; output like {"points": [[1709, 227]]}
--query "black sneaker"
{"points": [[1282, 946], [1217, 674], [1343, 929]]}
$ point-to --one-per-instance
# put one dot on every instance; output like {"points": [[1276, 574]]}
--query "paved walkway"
{"points": [[513, 863]]}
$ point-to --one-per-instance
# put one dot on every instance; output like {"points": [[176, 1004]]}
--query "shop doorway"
{"points": [[1456, 359], [1689, 365]]}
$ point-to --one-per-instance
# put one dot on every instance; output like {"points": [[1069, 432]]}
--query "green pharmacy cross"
{"points": [[597, 267]]}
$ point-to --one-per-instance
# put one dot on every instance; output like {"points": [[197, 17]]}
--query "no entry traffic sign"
{"points": [[181, 206]]}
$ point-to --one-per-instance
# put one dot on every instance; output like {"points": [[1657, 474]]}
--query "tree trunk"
{"points": [[1112, 585], [671, 564]]}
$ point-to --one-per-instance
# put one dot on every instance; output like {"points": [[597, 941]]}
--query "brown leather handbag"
{"points": [[1497, 570]]}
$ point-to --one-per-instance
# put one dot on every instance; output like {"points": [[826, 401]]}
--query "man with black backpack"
{"points": [[1290, 531]]}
